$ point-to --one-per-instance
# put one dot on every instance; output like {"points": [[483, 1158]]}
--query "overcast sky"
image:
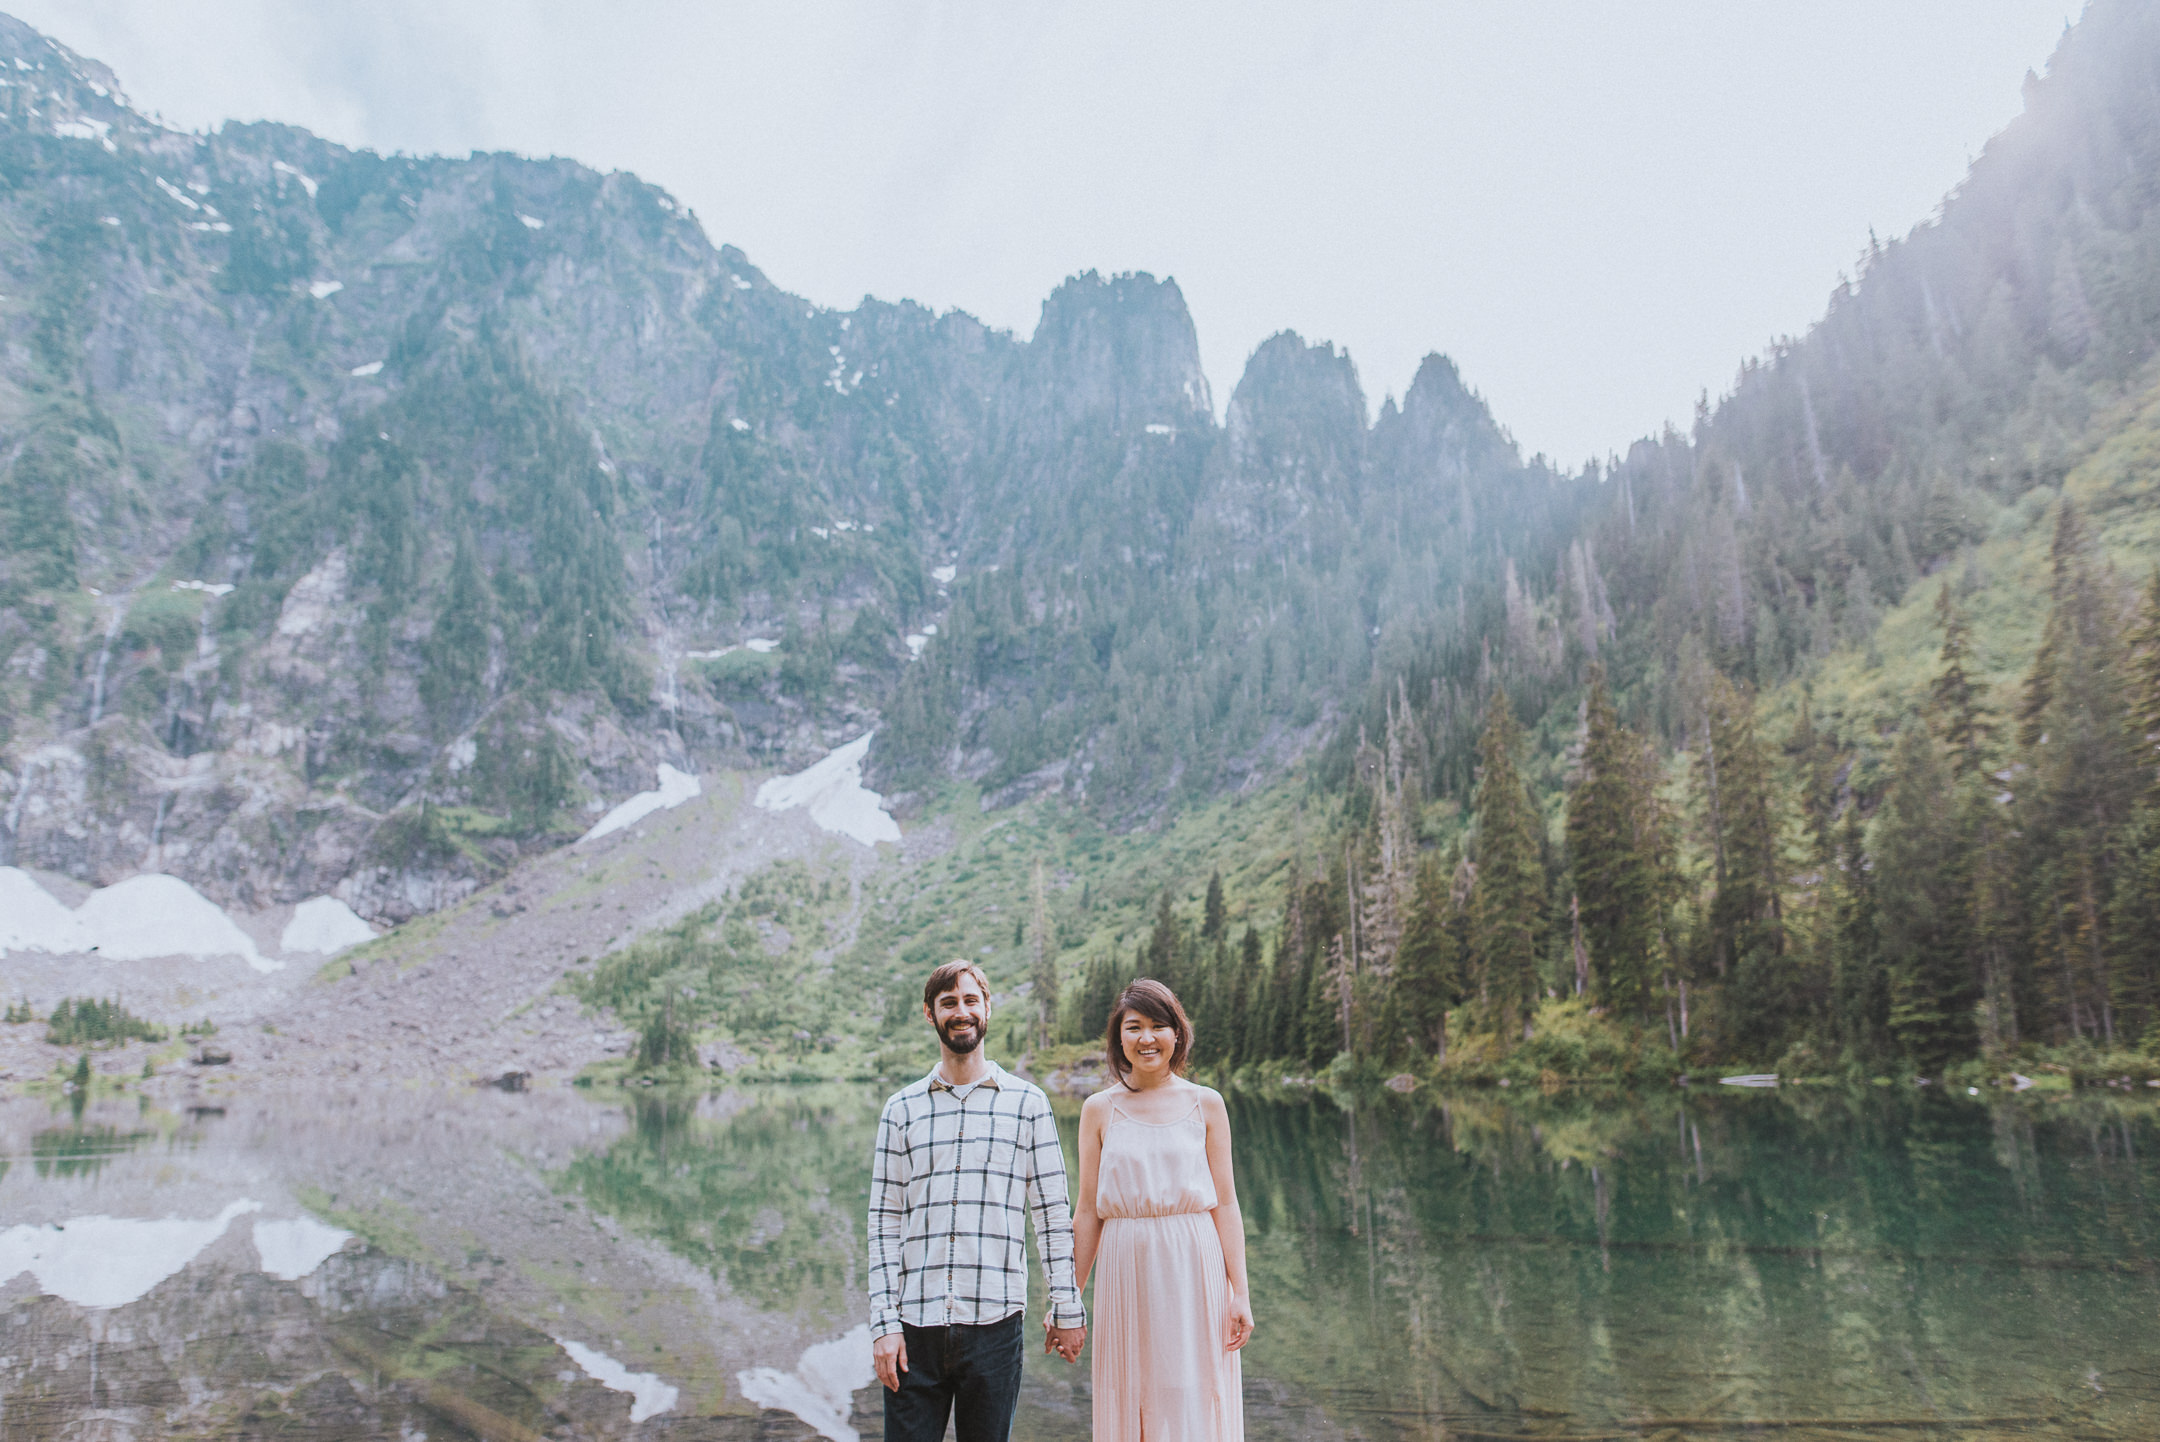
{"points": [[1597, 209]]}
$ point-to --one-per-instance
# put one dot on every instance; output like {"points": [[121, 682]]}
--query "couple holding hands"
{"points": [[969, 1153]]}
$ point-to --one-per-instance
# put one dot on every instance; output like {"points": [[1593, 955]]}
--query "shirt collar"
{"points": [[990, 1078]]}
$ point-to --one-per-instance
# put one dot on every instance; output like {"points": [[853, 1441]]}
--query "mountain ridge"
{"points": [[368, 519]]}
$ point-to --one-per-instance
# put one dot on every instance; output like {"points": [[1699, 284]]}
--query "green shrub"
{"points": [[81, 1021]]}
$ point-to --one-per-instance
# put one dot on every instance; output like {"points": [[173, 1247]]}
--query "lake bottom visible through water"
{"points": [[572, 1264]]}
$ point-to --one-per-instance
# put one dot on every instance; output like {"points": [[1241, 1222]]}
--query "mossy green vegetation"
{"points": [[88, 1021]]}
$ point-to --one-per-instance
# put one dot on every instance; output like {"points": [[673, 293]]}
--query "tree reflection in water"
{"points": [[1572, 1264]]}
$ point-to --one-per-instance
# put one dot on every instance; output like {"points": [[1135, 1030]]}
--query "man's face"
{"points": [[961, 1014]]}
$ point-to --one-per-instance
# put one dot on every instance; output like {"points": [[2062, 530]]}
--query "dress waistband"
{"points": [[1155, 1216]]}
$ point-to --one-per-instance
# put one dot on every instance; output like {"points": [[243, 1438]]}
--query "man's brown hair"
{"points": [[946, 977], [1159, 1004]]}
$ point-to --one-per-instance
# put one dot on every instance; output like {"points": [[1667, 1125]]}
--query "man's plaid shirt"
{"points": [[953, 1172]]}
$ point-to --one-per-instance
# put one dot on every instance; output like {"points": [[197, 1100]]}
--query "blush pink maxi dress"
{"points": [[1162, 1372]]}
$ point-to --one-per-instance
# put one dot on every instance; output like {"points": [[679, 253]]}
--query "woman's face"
{"points": [[1148, 1046]]}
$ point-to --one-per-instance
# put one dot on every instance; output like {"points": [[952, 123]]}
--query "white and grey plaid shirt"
{"points": [[954, 1170]]}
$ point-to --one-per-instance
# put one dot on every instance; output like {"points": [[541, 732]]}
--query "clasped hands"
{"points": [[1065, 1341]]}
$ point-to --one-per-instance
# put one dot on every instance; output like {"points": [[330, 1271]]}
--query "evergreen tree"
{"points": [[2137, 905], [1319, 1025], [1959, 718], [1816, 760], [2144, 680], [1508, 900], [1098, 993], [1245, 992], [1164, 944], [1747, 910], [1615, 887], [1207, 1003], [1428, 978], [1925, 908], [1860, 993], [1261, 1042], [1042, 970], [2084, 778], [1211, 923]]}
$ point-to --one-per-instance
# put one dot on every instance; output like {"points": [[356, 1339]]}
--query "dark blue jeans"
{"points": [[971, 1373]]}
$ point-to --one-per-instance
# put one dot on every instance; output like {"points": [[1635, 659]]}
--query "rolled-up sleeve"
{"points": [[888, 1209], [1051, 1209]]}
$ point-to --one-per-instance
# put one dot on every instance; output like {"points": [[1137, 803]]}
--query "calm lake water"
{"points": [[573, 1264]]}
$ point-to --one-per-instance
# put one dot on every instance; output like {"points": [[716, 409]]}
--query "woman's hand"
{"points": [[1065, 1341], [1241, 1322]]}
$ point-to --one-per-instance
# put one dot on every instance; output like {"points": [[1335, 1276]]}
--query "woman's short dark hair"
{"points": [[1159, 1004]]}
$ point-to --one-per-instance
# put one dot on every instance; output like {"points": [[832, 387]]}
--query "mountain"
{"points": [[369, 522], [1838, 709]]}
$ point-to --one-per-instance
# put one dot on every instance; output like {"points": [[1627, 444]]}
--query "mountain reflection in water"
{"points": [[573, 1265]]}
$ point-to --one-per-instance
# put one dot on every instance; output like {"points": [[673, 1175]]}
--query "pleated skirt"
{"points": [[1162, 1371]]}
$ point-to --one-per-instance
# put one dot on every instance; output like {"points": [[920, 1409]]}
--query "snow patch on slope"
{"points": [[675, 788], [32, 918], [833, 792], [157, 915], [141, 918], [324, 925]]}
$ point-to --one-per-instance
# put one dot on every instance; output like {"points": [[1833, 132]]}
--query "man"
{"points": [[963, 1157]]}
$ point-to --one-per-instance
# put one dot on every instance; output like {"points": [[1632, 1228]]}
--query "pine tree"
{"points": [[1925, 908], [1428, 978], [1246, 993], [1747, 910], [1615, 889], [1165, 942], [1508, 899], [1860, 993], [2144, 681], [1211, 923], [1816, 760], [1956, 708], [2137, 903], [1098, 992], [1042, 970], [2074, 725]]}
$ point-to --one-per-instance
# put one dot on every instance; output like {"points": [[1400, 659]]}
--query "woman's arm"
{"points": [[1229, 1221], [1087, 1227]]}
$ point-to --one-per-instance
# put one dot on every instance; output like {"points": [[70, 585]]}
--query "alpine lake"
{"points": [[1703, 1262]]}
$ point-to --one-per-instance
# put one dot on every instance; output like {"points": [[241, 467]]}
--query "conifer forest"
{"points": [[370, 526]]}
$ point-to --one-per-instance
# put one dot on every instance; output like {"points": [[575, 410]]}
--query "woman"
{"points": [[1158, 1210]]}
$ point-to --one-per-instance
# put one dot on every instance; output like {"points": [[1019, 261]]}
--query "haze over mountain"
{"points": [[489, 450], [371, 522]]}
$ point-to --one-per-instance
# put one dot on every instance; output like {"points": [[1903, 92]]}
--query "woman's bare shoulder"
{"points": [[1211, 1100], [1097, 1105]]}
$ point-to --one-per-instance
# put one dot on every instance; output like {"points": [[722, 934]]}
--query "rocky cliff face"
{"points": [[367, 522]]}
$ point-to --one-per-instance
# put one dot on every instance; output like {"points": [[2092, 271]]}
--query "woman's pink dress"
{"points": [[1162, 1297]]}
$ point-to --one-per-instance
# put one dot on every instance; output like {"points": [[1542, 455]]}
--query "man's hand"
{"points": [[1065, 1341], [888, 1355]]}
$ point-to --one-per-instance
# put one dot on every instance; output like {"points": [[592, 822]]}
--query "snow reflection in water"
{"points": [[578, 1264]]}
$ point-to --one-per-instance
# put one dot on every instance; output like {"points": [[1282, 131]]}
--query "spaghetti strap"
{"points": [[1180, 1119]]}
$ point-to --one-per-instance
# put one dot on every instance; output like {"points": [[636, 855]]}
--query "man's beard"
{"points": [[961, 1044]]}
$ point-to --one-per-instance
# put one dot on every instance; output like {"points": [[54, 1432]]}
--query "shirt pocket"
{"points": [[1004, 1160]]}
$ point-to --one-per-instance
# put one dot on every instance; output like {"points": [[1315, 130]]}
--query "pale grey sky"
{"points": [[1597, 209]]}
